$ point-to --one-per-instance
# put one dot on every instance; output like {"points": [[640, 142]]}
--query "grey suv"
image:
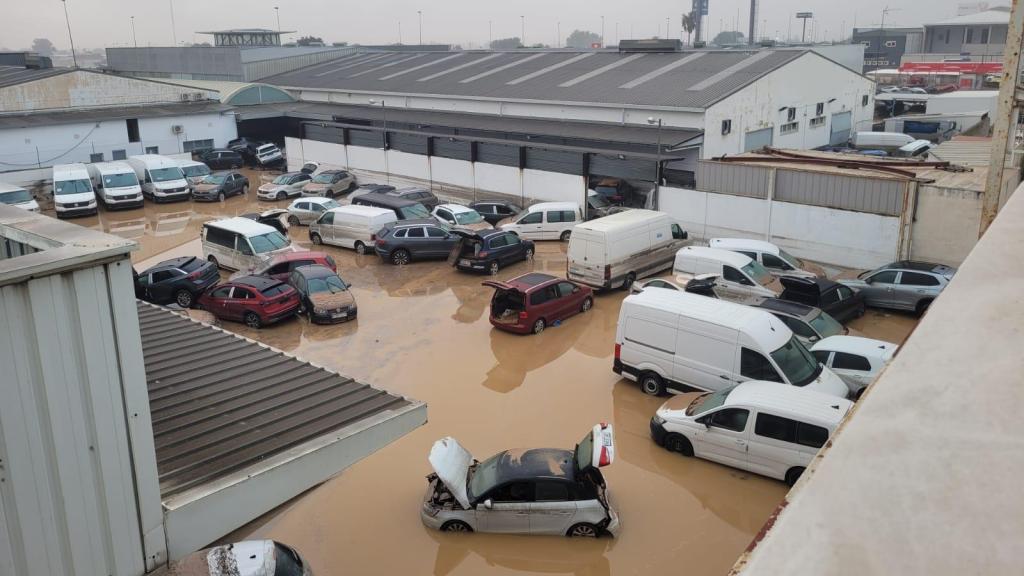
{"points": [[419, 239], [421, 195], [903, 285]]}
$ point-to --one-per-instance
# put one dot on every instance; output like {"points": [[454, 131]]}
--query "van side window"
{"points": [[220, 237], [845, 361], [734, 419], [733, 275], [243, 245], [813, 436], [568, 216], [327, 218], [534, 218], [775, 427], [677, 232], [756, 367], [555, 216]]}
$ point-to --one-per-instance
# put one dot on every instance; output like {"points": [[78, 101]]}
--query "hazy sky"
{"points": [[100, 23]]}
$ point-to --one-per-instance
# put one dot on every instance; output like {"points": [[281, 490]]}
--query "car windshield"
{"points": [[826, 325], [796, 363], [472, 217], [283, 179], [215, 179], [607, 190], [165, 174], [330, 204], [328, 284], [708, 401], [598, 201], [759, 273], [484, 476], [415, 211], [196, 171], [264, 150], [324, 178], [791, 260], [15, 197], [72, 187], [871, 272], [268, 242], [120, 180]]}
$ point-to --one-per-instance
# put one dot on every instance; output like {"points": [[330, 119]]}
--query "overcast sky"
{"points": [[101, 23]]}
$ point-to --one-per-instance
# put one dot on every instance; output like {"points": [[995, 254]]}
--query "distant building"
{"points": [[884, 48], [247, 37], [232, 63], [978, 37]]}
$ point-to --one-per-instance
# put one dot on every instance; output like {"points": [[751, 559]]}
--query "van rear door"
{"points": [[587, 259]]}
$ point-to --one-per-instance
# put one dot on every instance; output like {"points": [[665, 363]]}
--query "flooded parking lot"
{"points": [[423, 332]]}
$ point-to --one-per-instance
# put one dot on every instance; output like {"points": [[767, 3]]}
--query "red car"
{"points": [[534, 301], [255, 300], [280, 267]]}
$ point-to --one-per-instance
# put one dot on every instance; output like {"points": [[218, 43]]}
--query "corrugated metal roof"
{"points": [[221, 403], [14, 75], [54, 117], [566, 76], [974, 152]]}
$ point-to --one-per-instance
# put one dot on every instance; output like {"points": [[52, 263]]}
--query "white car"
{"points": [[287, 185], [307, 210], [248, 558], [703, 284], [544, 221], [267, 154], [456, 215], [774, 259], [17, 196], [536, 491], [858, 361]]}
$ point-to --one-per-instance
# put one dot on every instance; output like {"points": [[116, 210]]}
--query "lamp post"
{"points": [[134, 41], [490, 33], [657, 173], [384, 110], [419, 13], [602, 31], [174, 31], [74, 58], [277, 14], [522, 34], [558, 35]]}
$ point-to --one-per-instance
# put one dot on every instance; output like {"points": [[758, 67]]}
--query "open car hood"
{"points": [[451, 463], [465, 233]]}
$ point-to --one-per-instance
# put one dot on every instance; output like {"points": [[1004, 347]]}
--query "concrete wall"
{"points": [[946, 224], [87, 89], [758, 106]]}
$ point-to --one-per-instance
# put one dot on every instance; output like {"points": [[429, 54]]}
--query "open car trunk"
{"points": [[800, 290], [595, 451], [468, 246], [507, 302]]}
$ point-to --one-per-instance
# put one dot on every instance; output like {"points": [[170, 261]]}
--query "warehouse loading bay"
{"points": [[423, 332]]}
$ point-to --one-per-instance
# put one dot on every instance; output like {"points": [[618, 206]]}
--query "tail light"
{"points": [[607, 271], [618, 350], [522, 315], [606, 458], [195, 275]]}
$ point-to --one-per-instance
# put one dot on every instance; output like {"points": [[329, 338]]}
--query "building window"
{"points": [[968, 35], [133, 129], [984, 36], [890, 43], [119, 154], [789, 128], [946, 39], [817, 122], [726, 127], [791, 114], [96, 157], [152, 149], [864, 100], [819, 110], [867, 43], [196, 145]]}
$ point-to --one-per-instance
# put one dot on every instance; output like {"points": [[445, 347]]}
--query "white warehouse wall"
{"points": [[84, 88], [801, 84], [221, 128]]}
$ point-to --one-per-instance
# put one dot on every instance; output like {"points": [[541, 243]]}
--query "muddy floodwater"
{"points": [[423, 332]]}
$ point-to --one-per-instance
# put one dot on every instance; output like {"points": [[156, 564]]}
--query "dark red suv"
{"points": [[535, 301], [255, 300]]}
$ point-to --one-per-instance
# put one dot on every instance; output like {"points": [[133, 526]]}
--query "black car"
{"points": [[841, 302], [419, 239], [495, 211], [421, 195], [179, 280], [488, 250], [246, 148], [270, 218], [221, 159], [219, 186]]}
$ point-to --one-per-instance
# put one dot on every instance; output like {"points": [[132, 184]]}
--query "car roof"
{"points": [[386, 199], [257, 282], [792, 401], [315, 200], [184, 163], [553, 206], [332, 171], [786, 307], [499, 202], [314, 271], [823, 284], [370, 211], [242, 225], [620, 219], [530, 280], [535, 463], [408, 190], [415, 222], [295, 173], [857, 345], [115, 167], [744, 244], [172, 263], [455, 208], [920, 266], [221, 150], [729, 257]]}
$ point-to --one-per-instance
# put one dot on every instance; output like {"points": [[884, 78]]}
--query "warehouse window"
{"points": [[196, 145], [817, 122], [984, 36], [118, 154], [791, 114], [789, 128], [133, 129], [97, 157], [864, 100], [152, 149], [726, 127], [819, 110]]}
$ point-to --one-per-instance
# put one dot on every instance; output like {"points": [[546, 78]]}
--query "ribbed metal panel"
{"points": [[734, 179], [629, 168], [320, 133], [500, 154], [554, 161], [261, 69], [12, 249], [454, 149], [872, 195], [411, 143], [367, 138]]}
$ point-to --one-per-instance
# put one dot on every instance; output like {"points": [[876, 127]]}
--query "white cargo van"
{"points": [[242, 244], [116, 184], [161, 177], [616, 250], [757, 426], [544, 221], [740, 278], [674, 340], [775, 259], [18, 197], [194, 171], [880, 140], [72, 191], [351, 226]]}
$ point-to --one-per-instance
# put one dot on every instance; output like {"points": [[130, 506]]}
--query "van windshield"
{"points": [[415, 211], [165, 174], [120, 180], [196, 171], [268, 242], [759, 273], [62, 187], [708, 401], [796, 363], [15, 197]]}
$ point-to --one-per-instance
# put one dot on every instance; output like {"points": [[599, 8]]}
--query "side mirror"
{"points": [[575, 289], [488, 504], [869, 281], [814, 338], [704, 421]]}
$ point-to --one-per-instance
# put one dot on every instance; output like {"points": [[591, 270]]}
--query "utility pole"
{"points": [[1006, 122], [74, 57], [277, 14], [522, 35], [753, 22], [602, 32], [490, 33], [881, 32], [134, 41], [174, 32], [399, 32], [420, 14]]}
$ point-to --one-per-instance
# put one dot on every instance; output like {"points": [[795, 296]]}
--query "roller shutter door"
{"points": [[500, 154], [332, 134], [628, 168], [411, 143], [841, 126], [554, 161], [454, 149], [367, 138]]}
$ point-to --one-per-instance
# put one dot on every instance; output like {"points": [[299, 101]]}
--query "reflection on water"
{"points": [[522, 553]]}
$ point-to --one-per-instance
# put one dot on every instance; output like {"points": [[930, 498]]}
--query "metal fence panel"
{"points": [[454, 149], [628, 168], [871, 195], [332, 134], [500, 154], [554, 161], [734, 179], [411, 143]]}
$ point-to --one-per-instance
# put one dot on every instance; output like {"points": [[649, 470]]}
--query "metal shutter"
{"points": [[366, 138], [501, 154], [758, 139], [454, 149], [411, 143], [627, 168], [841, 125], [332, 134], [554, 161]]}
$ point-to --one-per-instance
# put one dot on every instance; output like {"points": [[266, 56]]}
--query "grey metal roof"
{"points": [[655, 79], [221, 403], [14, 75], [260, 53], [53, 117]]}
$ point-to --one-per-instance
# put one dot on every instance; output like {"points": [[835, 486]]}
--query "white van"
{"points": [[194, 171], [161, 177], [18, 197], [242, 244], [740, 278], [758, 426], [351, 226], [116, 184], [545, 221], [775, 259], [616, 250], [674, 340], [880, 140], [72, 191]]}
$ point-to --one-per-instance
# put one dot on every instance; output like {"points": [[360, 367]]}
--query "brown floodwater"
{"points": [[423, 332]]}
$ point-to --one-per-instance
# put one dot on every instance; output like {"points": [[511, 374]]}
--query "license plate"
{"points": [[463, 262], [339, 315]]}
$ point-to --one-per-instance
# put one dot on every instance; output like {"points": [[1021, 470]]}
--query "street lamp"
{"points": [[522, 35], [134, 41], [657, 173], [277, 14], [420, 14], [384, 110], [602, 32], [174, 31], [74, 58]]}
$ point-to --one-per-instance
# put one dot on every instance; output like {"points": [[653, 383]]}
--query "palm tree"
{"points": [[689, 25]]}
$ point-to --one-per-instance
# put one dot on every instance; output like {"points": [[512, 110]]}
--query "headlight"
{"points": [[430, 510], [319, 310], [658, 420]]}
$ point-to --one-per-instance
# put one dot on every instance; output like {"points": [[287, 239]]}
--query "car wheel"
{"points": [[565, 236], [678, 443], [360, 248], [329, 193], [539, 326], [922, 307], [252, 320], [245, 189], [587, 305], [213, 260], [793, 475], [628, 282], [281, 196], [652, 384], [529, 254], [583, 530], [494, 268], [220, 197], [455, 526], [184, 298], [316, 238], [293, 220], [400, 257]]}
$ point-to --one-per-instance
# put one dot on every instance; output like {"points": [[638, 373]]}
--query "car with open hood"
{"points": [[534, 301], [325, 296], [740, 278], [287, 185], [488, 250], [904, 285], [841, 302], [247, 558], [220, 185], [533, 491]]}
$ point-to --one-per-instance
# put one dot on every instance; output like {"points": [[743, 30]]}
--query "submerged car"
{"points": [[325, 296], [248, 558], [858, 361], [535, 491], [488, 250], [280, 266], [904, 285], [179, 280], [534, 301], [329, 183], [306, 210], [255, 300], [286, 185], [458, 216], [219, 186], [403, 241], [841, 302]]}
